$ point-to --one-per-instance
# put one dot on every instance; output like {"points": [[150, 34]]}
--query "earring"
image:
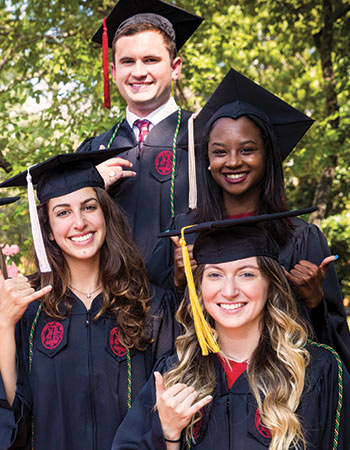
{"points": [[209, 168]]}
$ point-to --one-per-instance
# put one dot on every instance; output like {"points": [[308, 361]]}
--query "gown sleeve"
{"points": [[143, 420], [165, 327], [15, 420], [328, 319], [326, 404]]}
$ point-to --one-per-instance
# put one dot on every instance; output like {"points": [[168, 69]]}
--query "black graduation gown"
{"points": [[232, 422], [307, 242], [77, 390], [146, 197]]}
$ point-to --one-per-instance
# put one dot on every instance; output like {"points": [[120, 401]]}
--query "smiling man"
{"points": [[149, 181]]}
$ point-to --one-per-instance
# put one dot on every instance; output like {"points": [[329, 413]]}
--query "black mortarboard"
{"points": [[63, 174], [177, 23], [236, 95], [223, 241], [57, 176], [7, 200]]}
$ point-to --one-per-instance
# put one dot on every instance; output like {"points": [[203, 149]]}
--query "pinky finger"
{"points": [[37, 294], [199, 405]]}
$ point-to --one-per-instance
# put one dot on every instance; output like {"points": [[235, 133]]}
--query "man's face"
{"points": [[143, 72]]}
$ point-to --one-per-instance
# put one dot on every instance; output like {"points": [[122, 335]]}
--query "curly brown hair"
{"points": [[122, 275]]}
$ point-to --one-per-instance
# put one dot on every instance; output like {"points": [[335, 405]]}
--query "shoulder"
{"points": [[93, 143], [185, 219], [162, 301], [325, 365]]}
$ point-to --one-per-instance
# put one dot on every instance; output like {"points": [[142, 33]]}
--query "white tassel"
{"points": [[36, 230], [192, 179]]}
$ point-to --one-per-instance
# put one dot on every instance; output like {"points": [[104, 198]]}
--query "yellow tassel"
{"points": [[204, 332]]}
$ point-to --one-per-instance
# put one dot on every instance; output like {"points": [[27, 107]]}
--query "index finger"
{"points": [[118, 162]]}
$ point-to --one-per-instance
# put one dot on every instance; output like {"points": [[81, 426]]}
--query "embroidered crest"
{"points": [[197, 426], [52, 335], [116, 347], [260, 427], [164, 162]]}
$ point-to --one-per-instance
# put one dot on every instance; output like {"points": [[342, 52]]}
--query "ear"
{"points": [[176, 66], [114, 75]]}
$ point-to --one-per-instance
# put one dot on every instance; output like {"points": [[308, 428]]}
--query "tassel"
{"points": [[105, 62], [192, 179], [36, 230], [204, 332]]}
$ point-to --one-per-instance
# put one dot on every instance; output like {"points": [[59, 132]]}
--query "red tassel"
{"points": [[105, 62]]}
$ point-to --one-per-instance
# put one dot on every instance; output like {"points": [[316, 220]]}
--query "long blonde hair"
{"points": [[276, 371]]}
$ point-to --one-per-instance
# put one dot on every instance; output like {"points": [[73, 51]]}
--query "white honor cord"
{"points": [[36, 230], [192, 179]]}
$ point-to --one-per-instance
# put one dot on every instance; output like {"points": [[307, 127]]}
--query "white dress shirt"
{"points": [[154, 117]]}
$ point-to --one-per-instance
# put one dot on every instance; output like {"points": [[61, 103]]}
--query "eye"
{"points": [[126, 62], [62, 213], [247, 274], [151, 60], [214, 275], [90, 208], [248, 150]]}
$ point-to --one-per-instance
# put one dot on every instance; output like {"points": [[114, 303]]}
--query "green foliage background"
{"points": [[51, 88]]}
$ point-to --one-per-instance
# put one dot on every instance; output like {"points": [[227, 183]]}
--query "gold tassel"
{"points": [[204, 332]]}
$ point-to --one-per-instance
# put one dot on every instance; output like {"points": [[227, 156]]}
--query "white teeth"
{"points": [[235, 176], [86, 237], [231, 306]]}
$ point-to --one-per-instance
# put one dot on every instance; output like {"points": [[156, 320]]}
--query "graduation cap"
{"points": [[237, 96], [223, 241], [57, 176], [7, 200], [177, 23]]}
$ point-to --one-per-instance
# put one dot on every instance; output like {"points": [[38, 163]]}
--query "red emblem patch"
{"points": [[260, 427], [164, 162], [116, 346], [52, 335], [197, 426]]}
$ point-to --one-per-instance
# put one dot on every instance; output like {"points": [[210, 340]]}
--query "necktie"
{"points": [[143, 126]]}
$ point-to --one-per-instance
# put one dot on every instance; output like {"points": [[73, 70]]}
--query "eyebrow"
{"points": [[67, 205], [213, 266], [249, 141]]}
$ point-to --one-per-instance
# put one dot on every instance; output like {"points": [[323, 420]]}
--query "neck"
{"points": [[238, 343], [243, 204], [84, 275]]}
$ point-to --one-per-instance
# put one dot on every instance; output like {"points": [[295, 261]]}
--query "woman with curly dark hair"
{"points": [[85, 350]]}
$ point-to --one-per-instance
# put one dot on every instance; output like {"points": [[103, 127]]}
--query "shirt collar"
{"points": [[155, 116]]}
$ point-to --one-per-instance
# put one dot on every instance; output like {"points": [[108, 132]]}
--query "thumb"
{"points": [[287, 274], [160, 388], [102, 147], [176, 241], [326, 262]]}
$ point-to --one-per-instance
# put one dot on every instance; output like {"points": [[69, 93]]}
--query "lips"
{"points": [[231, 306], [235, 177], [82, 238]]}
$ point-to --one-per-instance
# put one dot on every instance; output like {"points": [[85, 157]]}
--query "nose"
{"points": [[234, 159], [139, 69], [79, 221], [230, 288]]}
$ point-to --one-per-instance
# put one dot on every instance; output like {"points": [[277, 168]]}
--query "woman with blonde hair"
{"points": [[245, 375]]}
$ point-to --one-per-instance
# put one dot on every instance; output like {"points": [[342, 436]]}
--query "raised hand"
{"points": [[112, 170], [308, 280], [179, 270], [15, 296], [176, 406]]}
